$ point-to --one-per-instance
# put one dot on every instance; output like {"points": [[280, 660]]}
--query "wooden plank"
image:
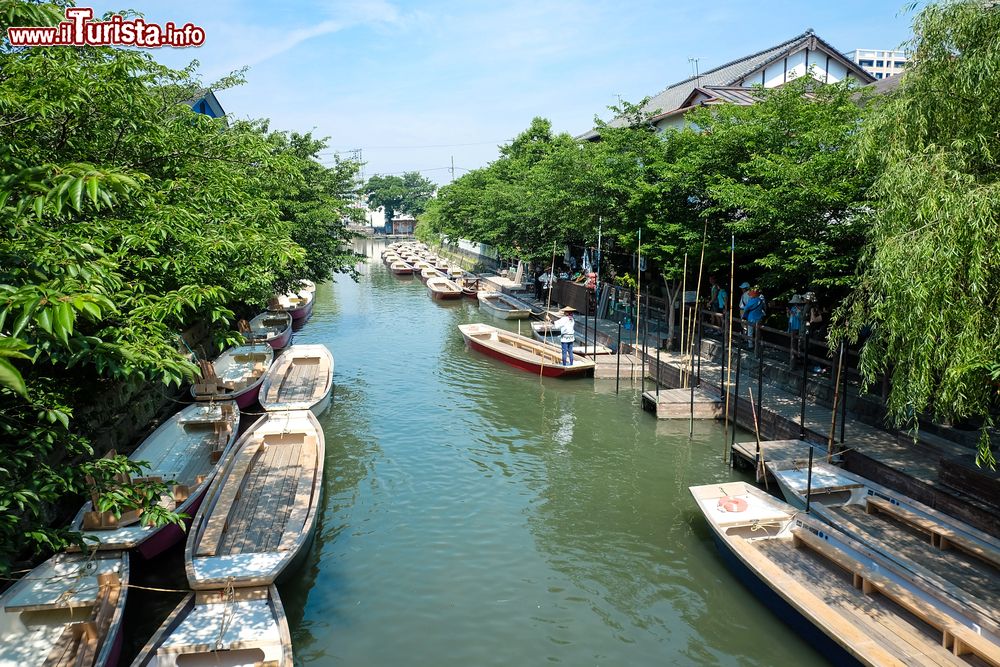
{"points": [[870, 579], [934, 568], [217, 521], [942, 536], [244, 505], [268, 500], [876, 617], [300, 505], [814, 608]]}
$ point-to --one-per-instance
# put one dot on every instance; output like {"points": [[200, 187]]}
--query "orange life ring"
{"points": [[731, 504]]}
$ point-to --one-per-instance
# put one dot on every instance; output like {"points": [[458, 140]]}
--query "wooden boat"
{"points": [[67, 612], [299, 305], [546, 333], [260, 510], [427, 274], [306, 285], [470, 287], [442, 288], [390, 258], [185, 449], [301, 379], [245, 626], [959, 560], [456, 273], [401, 268], [523, 352], [502, 306], [236, 375], [273, 328], [853, 605]]}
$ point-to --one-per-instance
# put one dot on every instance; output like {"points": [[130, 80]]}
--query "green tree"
{"points": [[408, 193], [125, 217], [930, 280]]}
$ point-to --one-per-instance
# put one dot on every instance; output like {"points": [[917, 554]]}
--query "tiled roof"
{"points": [[723, 80]]}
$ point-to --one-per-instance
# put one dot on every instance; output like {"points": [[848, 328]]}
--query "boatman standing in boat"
{"points": [[567, 334]]}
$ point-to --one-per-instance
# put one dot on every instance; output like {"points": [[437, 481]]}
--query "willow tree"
{"points": [[929, 292]]}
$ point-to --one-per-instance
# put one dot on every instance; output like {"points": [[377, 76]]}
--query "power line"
{"points": [[333, 151]]}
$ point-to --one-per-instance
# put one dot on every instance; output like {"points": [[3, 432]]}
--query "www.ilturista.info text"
{"points": [[79, 30]]}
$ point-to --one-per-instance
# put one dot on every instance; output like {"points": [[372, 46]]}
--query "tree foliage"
{"points": [[930, 285], [124, 218], [779, 174], [408, 193]]}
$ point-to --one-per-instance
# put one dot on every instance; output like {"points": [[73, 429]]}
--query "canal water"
{"points": [[477, 515]]}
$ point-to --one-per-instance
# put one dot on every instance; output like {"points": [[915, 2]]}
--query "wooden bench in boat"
{"points": [[955, 636], [812, 606], [79, 642], [942, 536], [300, 508], [218, 520]]}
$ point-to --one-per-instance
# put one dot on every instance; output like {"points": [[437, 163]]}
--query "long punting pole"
{"points": [[805, 383], [761, 470], [694, 324], [638, 288], [684, 279], [736, 402], [836, 405], [548, 302], [729, 325]]}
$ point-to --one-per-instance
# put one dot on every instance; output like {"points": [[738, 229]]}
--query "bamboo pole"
{"points": [[761, 470], [836, 404], [684, 278], [548, 303], [638, 288], [729, 334]]}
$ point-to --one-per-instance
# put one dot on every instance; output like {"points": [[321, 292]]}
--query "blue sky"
{"points": [[414, 83]]}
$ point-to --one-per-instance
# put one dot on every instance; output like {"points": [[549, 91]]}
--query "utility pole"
{"points": [[453, 167]]}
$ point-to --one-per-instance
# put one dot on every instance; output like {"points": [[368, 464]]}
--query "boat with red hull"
{"points": [[299, 305], [523, 352]]}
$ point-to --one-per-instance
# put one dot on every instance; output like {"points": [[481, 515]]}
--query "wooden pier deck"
{"points": [[679, 404]]}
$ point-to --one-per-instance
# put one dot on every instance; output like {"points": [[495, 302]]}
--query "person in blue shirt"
{"points": [[753, 312]]}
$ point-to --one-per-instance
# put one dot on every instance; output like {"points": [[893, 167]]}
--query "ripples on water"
{"points": [[476, 515]]}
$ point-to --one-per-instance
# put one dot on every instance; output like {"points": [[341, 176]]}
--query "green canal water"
{"points": [[477, 515]]}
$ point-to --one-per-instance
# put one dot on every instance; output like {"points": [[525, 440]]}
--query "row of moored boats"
{"points": [[539, 354], [867, 575], [253, 498]]}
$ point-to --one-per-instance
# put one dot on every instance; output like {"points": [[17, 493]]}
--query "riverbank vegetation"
{"points": [[127, 217], [886, 203]]}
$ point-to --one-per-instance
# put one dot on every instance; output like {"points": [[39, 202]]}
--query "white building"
{"points": [[881, 64], [733, 81]]}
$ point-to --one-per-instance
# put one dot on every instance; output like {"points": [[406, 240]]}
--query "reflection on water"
{"points": [[479, 515]]}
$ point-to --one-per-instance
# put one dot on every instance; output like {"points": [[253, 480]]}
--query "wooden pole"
{"points": [[729, 327], [684, 278], [697, 297], [761, 470], [548, 303], [638, 288], [836, 404]]}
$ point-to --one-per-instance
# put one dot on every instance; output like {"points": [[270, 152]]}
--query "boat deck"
{"points": [[303, 381], [263, 494], [883, 622], [264, 512], [978, 581]]}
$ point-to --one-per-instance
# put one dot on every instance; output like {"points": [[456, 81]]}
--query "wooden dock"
{"points": [[677, 404], [745, 453]]}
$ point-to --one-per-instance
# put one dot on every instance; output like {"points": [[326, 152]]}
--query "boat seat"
{"points": [[218, 520], [941, 536]]}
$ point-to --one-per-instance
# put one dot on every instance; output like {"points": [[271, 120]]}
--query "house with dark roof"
{"points": [[733, 81]]}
